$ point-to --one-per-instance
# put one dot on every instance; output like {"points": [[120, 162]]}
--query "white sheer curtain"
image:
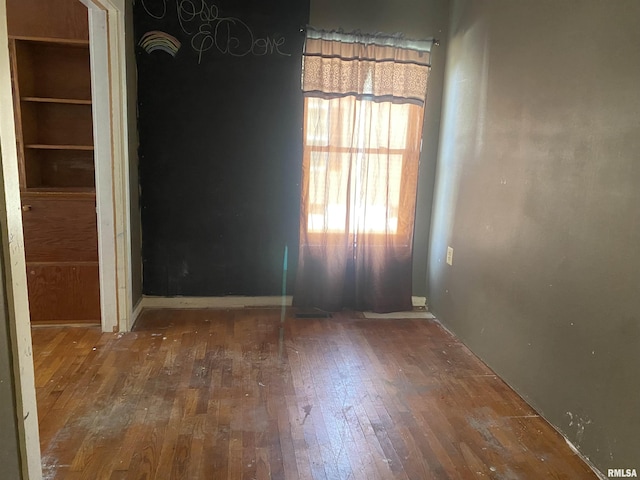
{"points": [[362, 131]]}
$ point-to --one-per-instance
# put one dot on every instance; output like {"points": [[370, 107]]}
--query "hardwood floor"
{"points": [[213, 394]]}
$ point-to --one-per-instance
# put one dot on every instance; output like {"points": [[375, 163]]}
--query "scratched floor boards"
{"points": [[215, 395]]}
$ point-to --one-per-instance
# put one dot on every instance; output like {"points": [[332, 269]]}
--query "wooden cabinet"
{"points": [[62, 227], [51, 78]]}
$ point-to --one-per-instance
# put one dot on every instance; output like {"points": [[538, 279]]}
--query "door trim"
{"points": [[113, 216], [99, 55], [109, 92]]}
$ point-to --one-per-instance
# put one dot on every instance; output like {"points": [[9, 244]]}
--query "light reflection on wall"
{"points": [[463, 116]]}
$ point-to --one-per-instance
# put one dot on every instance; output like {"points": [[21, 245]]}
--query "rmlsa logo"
{"points": [[622, 473]]}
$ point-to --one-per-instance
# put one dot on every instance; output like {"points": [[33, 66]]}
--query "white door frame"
{"points": [[107, 29], [16, 272], [109, 90]]}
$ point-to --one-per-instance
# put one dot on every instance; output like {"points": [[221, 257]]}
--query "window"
{"points": [[358, 151], [364, 97]]}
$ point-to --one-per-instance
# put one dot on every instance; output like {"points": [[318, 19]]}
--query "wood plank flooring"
{"points": [[215, 394]]}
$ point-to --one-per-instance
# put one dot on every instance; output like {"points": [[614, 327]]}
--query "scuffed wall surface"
{"points": [[537, 193], [9, 450]]}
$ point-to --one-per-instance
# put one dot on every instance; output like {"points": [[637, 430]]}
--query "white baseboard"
{"points": [[137, 310], [398, 315], [230, 301]]}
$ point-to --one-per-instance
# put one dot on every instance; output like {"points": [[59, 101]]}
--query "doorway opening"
{"points": [[106, 32]]}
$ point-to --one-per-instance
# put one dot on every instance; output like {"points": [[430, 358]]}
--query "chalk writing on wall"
{"points": [[208, 29], [162, 41]]}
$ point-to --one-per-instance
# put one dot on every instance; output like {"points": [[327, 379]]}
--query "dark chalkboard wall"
{"points": [[220, 123]]}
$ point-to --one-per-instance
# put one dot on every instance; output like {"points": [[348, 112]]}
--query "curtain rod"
{"points": [[384, 36]]}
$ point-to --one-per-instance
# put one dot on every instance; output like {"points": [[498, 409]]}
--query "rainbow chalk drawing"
{"points": [[157, 40]]}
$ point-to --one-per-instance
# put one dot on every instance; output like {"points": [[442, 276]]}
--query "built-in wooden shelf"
{"points": [[61, 191], [57, 264], [51, 77], [66, 101], [60, 147], [61, 41]]}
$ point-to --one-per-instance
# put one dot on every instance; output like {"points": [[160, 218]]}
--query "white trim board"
{"points": [[398, 315], [230, 301], [108, 71], [103, 168], [16, 272], [137, 310]]}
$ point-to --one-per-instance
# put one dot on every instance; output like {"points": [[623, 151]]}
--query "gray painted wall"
{"points": [[538, 192], [416, 19], [9, 450]]}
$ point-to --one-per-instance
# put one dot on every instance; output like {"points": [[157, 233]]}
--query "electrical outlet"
{"points": [[449, 255]]}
